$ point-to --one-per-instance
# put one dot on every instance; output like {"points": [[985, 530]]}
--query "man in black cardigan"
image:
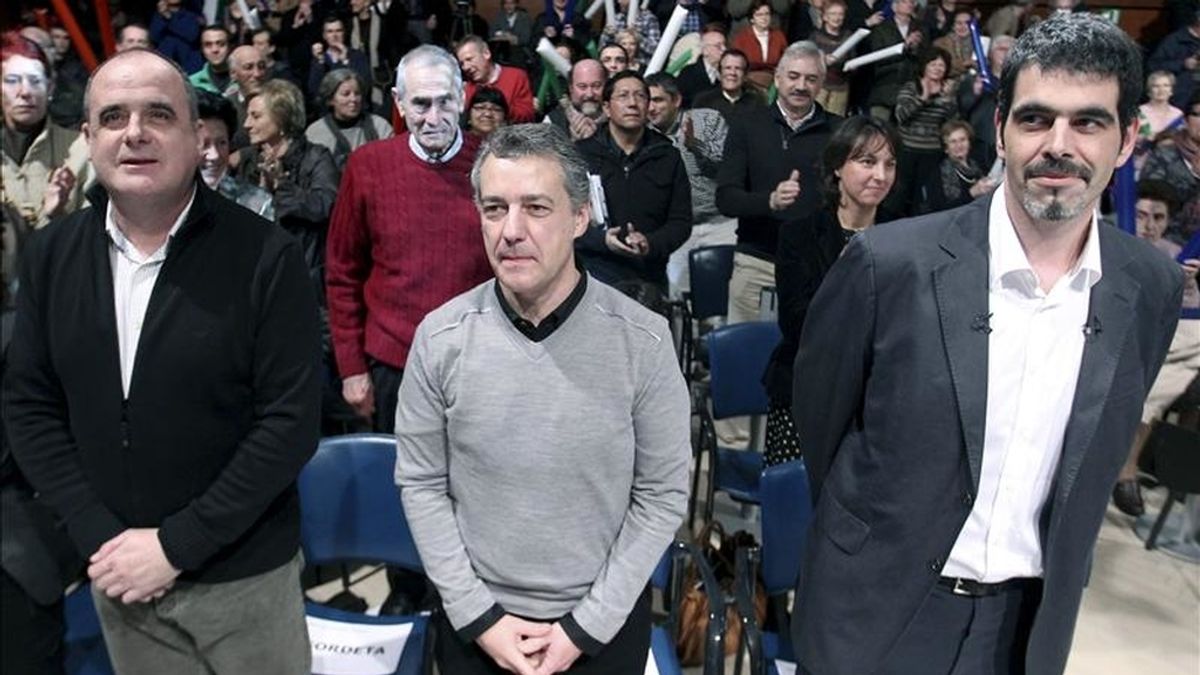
{"points": [[162, 392]]}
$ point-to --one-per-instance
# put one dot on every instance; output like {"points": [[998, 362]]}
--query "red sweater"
{"points": [[404, 238], [514, 84]]}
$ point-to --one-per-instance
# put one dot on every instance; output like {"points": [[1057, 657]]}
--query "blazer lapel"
{"points": [[1111, 305], [961, 288]]}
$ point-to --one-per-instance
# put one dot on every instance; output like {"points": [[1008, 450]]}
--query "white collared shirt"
{"points": [[1034, 351], [134, 275], [441, 159]]}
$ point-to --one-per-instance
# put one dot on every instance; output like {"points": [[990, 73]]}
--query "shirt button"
{"points": [[935, 565], [967, 499]]}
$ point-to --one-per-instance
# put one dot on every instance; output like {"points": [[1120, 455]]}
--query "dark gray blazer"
{"points": [[890, 399]]}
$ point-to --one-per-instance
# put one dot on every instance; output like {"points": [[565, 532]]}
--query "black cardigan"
{"points": [[807, 249], [223, 408]]}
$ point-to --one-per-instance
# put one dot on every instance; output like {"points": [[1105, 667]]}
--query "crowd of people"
{"points": [[381, 138]]}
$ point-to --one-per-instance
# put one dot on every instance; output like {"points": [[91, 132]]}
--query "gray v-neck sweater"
{"points": [[547, 477]]}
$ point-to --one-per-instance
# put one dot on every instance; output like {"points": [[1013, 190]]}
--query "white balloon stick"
{"points": [[669, 35], [556, 60]]}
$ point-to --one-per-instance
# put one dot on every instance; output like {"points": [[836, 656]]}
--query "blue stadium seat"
{"points": [[351, 513]]}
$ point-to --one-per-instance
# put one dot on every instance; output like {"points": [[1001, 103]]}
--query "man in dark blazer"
{"points": [[968, 384]]}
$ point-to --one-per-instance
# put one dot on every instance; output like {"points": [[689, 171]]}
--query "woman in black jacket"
{"points": [[858, 170]]}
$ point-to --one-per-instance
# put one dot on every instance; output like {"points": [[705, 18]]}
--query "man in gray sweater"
{"points": [[543, 437]]}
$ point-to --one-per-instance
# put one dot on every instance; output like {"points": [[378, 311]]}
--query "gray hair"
{"points": [[429, 56], [335, 79], [1001, 41], [805, 49], [536, 140], [1077, 44], [193, 99]]}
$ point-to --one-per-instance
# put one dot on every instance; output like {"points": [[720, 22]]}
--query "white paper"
{"points": [[669, 34], [356, 648], [850, 43], [651, 666], [595, 7], [599, 203], [785, 668], [880, 55], [556, 60]]}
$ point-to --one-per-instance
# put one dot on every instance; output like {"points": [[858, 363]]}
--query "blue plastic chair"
{"points": [[351, 513], [738, 357], [709, 269], [707, 301], [83, 643], [786, 513]]}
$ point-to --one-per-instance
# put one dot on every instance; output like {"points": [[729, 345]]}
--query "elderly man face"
{"points": [[587, 87], [798, 81], [476, 61], [430, 106], [712, 45], [248, 68]]}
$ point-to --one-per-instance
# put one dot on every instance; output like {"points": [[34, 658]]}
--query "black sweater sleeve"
{"points": [[36, 417]]}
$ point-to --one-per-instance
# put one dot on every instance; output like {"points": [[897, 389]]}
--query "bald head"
{"points": [[248, 68], [147, 59]]}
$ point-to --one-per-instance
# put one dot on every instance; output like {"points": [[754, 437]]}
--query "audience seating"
{"points": [[738, 357], [84, 652], [351, 513], [709, 270], [786, 512], [1172, 454]]}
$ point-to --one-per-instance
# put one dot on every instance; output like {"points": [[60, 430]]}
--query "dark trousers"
{"points": [[625, 654], [961, 635], [385, 380], [31, 635]]}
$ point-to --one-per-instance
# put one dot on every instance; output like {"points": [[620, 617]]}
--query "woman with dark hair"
{"points": [[858, 169], [762, 43], [922, 107], [486, 112], [959, 179], [347, 123]]}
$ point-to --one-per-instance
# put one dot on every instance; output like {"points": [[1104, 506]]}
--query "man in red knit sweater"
{"points": [[482, 71], [404, 235]]}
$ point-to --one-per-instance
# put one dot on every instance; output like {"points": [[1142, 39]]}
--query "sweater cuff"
{"points": [[471, 632], [91, 527], [183, 544], [586, 643]]}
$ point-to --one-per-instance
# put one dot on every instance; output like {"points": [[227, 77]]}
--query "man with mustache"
{"points": [[769, 177], [582, 113], [542, 436], [968, 384]]}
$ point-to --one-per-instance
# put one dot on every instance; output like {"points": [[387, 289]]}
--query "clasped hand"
{"points": [[132, 566], [527, 647]]}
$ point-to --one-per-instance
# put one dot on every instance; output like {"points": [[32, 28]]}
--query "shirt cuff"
{"points": [[586, 643], [470, 632]]}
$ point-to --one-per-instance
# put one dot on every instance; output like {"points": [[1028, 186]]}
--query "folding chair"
{"points": [[738, 357], [668, 578], [786, 514], [351, 513], [710, 268], [84, 652]]}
